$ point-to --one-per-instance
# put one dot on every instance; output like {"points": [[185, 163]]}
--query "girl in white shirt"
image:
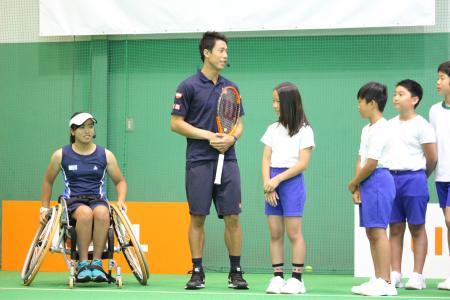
{"points": [[288, 146]]}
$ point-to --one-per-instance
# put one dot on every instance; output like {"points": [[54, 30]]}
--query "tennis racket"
{"points": [[228, 109]]}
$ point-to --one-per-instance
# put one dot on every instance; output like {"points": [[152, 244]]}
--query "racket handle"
{"points": [[218, 179]]}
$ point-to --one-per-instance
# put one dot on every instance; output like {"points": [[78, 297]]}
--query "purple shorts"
{"points": [[377, 196], [201, 190], [411, 197], [443, 191], [292, 196]]}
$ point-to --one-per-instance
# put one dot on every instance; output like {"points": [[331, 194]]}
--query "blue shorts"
{"points": [[411, 197], [443, 191], [201, 190], [74, 202], [292, 196], [377, 196]]}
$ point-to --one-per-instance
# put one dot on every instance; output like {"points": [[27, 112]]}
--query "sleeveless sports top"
{"points": [[84, 175]]}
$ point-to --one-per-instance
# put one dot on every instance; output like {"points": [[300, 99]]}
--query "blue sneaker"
{"points": [[84, 273], [98, 275]]}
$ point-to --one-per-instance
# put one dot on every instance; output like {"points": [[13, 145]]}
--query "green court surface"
{"points": [[54, 286]]}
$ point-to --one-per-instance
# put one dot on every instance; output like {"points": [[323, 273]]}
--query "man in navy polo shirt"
{"points": [[194, 116]]}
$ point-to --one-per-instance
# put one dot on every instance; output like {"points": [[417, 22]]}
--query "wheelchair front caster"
{"points": [[71, 282], [119, 282]]}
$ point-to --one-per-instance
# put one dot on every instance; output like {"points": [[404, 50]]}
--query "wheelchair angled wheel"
{"points": [[129, 245], [40, 245]]}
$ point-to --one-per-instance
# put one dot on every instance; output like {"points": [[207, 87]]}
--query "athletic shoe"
{"points": [[378, 287], [416, 282], [396, 279], [98, 275], [293, 286], [236, 281], [357, 288], [275, 285], [197, 280], [84, 274], [444, 285]]}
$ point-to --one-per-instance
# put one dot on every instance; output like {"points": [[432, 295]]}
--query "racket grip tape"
{"points": [[218, 179]]}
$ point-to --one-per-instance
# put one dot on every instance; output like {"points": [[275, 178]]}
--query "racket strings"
{"points": [[228, 113]]}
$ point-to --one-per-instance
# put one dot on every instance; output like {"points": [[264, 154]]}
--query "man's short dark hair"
{"points": [[208, 41]]}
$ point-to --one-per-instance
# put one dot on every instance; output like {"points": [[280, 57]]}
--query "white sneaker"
{"points": [[444, 285], [416, 282], [378, 287], [356, 289], [396, 279], [275, 285], [293, 286]]}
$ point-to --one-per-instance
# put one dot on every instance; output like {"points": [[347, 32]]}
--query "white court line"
{"points": [[307, 295]]}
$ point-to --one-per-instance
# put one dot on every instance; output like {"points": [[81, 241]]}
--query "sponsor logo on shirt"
{"points": [[95, 168], [73, 167], [176, 106]]}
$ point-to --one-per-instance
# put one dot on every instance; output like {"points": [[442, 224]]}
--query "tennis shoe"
{"points": [[84, 274], [236, 280], [444, 285], [275, 285], [98, 275], [379, 287], [396, 279], [293, 286], [356, 289], [416, 282], [197, 280]]}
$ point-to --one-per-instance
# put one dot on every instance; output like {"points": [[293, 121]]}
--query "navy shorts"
{"points": [[377, 197], [411, 197], [201, 190], [75, 202], [443, 191], [291, 194]]}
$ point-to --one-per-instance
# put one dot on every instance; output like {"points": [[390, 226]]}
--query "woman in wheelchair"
{"points": [[84, 166]]}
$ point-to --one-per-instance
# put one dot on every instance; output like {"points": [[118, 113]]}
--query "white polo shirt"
{"points": [[440, 121], [406, 151], [285, 149], [375, 141]]}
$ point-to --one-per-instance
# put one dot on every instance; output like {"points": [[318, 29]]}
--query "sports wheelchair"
{"points": [[59, 236]]}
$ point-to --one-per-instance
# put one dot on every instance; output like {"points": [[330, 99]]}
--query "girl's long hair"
{"points": [[292, 115]]}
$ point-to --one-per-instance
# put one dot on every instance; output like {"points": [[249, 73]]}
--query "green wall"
{"points": [[42, 84]]}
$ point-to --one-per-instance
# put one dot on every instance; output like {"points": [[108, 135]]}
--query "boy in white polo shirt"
{"points": [[373, 187], [412, 159], [440, 121]]}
